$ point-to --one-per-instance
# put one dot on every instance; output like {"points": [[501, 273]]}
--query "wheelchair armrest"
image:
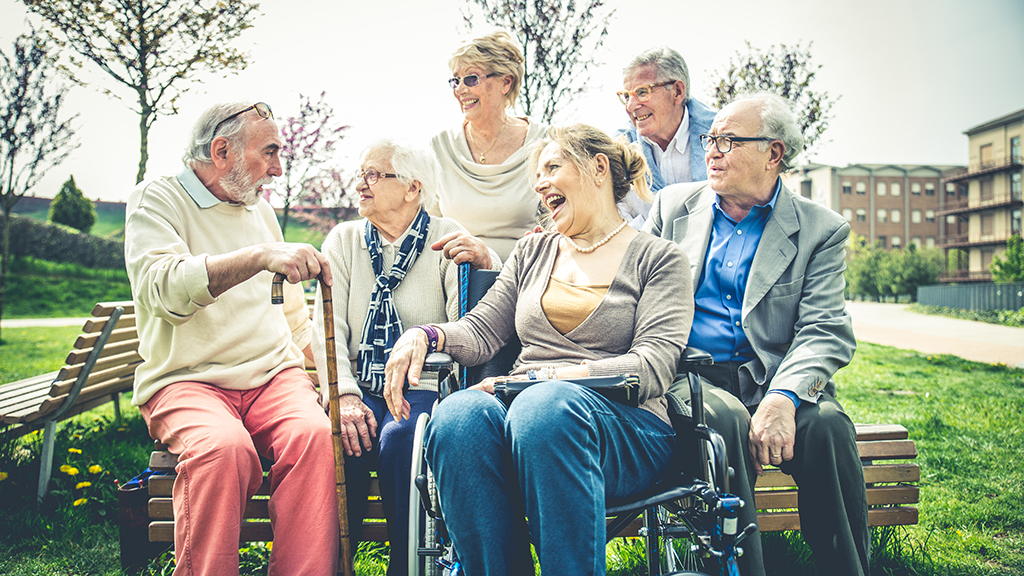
{"points": [[689, 364], [693, 357], [437, 361]]}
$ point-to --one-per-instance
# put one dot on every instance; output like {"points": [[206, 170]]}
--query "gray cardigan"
{"points": [[640, 326]]}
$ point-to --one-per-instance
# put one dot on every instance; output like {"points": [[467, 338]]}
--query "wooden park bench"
{"points": [[100, 366]]}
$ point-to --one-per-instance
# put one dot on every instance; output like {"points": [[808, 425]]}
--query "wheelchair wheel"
{"points": [[669, 540], [426, 544]]}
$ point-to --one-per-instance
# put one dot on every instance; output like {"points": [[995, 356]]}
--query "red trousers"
{"points": [[219, 435]]}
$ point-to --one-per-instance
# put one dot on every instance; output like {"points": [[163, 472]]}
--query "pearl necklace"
{"points": [[498, 135], [597, 245]]}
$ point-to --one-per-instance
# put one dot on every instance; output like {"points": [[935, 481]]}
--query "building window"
{"points": [[915, 188], [1015, 148], [988, 224], [895, 189], [862, 215], [987, 189], [895, 217], [965, 190], [880, 242], [880, 187], [916, 241], [986, 259], [915, 216], [1015, 221], [862, 188], [929, 189], [951, 219], [847, 188], [929, 216], [882, 215], [986, 155], [848, 214], [1015, 186], [929, 242], [950, 189], [897, 242]]}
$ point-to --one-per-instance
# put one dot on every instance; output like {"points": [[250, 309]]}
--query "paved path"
{"points": [[894, 325], [45, 322]]}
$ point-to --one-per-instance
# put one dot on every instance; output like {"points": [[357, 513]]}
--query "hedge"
{"points": [[30, 237]]}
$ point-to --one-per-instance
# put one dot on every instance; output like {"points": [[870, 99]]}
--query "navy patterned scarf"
{"points": [[383, 326]]}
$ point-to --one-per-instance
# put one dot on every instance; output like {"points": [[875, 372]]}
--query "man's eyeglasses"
{"points": [[470, 80], [261, 108], [724, 143], [641, 93], [371, 176]]}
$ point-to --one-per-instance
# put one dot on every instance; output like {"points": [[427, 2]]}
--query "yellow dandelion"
{"points": [[80, 501], [77, 436], [81, 485], [95, 469], [71, 471], [74, 451], [121, 429], [3, 476], [270, 545], [65, 468]]}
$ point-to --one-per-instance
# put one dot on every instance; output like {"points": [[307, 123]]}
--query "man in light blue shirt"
{"points": [[768, 273]]}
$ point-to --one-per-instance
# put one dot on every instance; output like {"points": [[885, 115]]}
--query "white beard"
{"points": [[240, 187]]}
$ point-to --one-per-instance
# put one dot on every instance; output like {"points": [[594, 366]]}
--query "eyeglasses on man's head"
{"points": [[371, 176], [261, 108], [470, 80], [641, 93], [724, 143]]}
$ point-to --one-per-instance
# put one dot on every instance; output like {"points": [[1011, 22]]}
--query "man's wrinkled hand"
{"points": [[772, 432]]}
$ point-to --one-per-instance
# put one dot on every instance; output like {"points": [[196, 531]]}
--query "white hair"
{"points": [[668, 65], [411, 163], [197, 151], [778, 122]]}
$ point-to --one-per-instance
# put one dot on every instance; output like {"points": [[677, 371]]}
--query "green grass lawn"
{"points": [[963, 416]]}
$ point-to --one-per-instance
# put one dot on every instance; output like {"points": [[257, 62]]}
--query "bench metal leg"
{"points": [[46, 459]]}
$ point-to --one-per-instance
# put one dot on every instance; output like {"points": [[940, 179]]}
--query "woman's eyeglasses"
{"points": [[470, 80], [371, 176], [261, 108]]}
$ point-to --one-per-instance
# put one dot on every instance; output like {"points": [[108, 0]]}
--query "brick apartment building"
{"points": [[987, 208], [892, 205]]}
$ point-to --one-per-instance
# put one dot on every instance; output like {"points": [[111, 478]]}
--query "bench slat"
{"points": [[873, 474], [887, 450], [107, 308], [867, 432], [97, 325], [102, 389], [106, 360], [98, 377], [877, 496], [896, 516], [111, 349], [14, 392], [118, 335]]}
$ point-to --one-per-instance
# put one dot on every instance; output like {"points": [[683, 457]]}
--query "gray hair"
{"points": [[411, 163], [197, 151], [668, 65], [778, 122]]}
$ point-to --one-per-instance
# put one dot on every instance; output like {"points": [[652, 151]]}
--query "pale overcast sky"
{"points": [[913, 74]]}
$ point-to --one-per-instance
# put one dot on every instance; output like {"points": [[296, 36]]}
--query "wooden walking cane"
{"points": [[277, 297]]}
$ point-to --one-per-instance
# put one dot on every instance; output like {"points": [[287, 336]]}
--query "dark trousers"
{"points": [[825, 465], [391, 456]]}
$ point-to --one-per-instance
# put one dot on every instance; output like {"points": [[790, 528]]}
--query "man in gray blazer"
{"points": [[665, 122], [768, 278]]}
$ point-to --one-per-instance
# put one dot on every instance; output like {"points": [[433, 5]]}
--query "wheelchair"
{"points": [[690, 524]]}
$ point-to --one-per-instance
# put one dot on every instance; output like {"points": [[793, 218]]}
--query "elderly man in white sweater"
{"points": [[222, 379]]}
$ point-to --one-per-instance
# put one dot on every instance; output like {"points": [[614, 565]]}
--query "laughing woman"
{"points": [[485, 186], [592, 298], [390, 268]]}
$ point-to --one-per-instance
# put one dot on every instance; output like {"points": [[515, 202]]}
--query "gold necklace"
{"points": [[602, 242], [498, 135]]}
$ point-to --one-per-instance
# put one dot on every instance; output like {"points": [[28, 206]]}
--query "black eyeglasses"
{"points": [[469, 80], [371, 176], [724, 143], [261, 108], [641, 93]]}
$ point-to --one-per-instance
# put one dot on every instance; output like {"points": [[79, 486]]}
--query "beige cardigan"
{"points": [[640, 326], [427, 295]]}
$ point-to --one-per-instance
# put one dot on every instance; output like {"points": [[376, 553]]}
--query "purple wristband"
{"points": [[431, 336]]}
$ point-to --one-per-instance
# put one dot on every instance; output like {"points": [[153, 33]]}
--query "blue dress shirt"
{"points": [[718, 301]]}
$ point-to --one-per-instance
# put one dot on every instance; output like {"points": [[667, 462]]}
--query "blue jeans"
{"points": [[392, 454], [554, 457]]}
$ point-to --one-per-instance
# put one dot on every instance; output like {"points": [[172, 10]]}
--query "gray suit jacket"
{"points": [[793, 308]]}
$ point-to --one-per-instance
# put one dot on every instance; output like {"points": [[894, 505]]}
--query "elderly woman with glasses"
{"points": [[593, 297], [395, 268], [483, 161]]}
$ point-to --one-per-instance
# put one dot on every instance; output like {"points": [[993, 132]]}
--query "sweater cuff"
{"points": [[615, 366], [197, 280]]}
